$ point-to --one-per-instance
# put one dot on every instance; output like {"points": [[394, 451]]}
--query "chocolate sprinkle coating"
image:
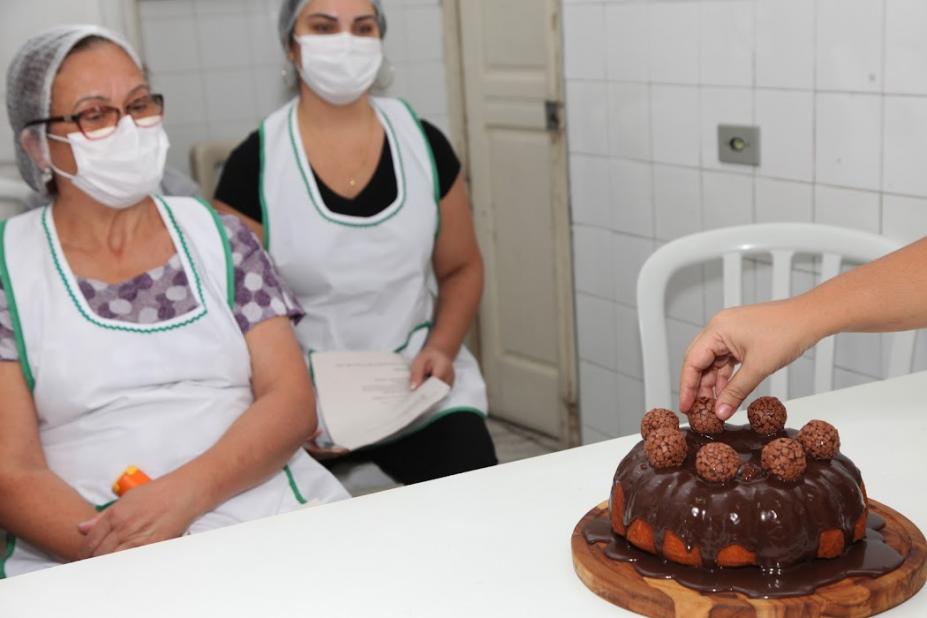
{"points": [[657, 418], [717, 462], [784, 458], [750, 472], [666, 448], [702, 417], [820, 439], [767, 415]]}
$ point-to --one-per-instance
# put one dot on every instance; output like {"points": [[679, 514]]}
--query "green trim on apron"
{"points": [[99, 508], [417, 328], [325, 215], [293, 486], [227, 247], [183, 244], [10, 548], [265, 220], [431, 159], [427, 324], [14, 314], [130, 329]]}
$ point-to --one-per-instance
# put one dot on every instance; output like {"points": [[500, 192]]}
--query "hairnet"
{"points": [[29, 83], [290, 10]]}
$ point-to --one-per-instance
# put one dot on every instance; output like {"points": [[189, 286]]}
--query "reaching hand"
{"points": [[761, 338], [432, 362]]}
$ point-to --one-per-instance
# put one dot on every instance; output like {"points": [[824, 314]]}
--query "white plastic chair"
{"points": [[835, 245], [206, 161], [14, 197]]}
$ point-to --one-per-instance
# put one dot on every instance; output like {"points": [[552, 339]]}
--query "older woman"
{"points": [[365, 211], [136, 330]]}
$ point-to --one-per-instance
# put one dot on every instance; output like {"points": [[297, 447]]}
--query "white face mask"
{"points": [[119, 170], [339, 67]]}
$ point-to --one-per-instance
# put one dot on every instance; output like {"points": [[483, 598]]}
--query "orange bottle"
{"points": [[131, 478]]}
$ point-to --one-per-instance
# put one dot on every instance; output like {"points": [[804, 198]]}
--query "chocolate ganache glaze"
{"points": [[868, 557], [781, 522]]}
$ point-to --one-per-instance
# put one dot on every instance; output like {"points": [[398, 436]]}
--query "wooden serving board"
{"points": [[853, 597]]}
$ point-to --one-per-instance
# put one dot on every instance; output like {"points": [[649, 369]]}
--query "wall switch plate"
{"points": [[739, 144]]}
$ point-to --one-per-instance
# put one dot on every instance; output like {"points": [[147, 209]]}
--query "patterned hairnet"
{"points": [[290, 10], [29, 84]]}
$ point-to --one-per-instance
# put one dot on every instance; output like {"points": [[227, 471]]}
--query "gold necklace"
{"points": [[352, 178], [313, 136]]}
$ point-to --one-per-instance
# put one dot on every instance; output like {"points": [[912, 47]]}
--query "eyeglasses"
{"points": [[100, 122]]}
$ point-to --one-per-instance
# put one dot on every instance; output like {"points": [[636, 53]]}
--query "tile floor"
{"points": [[514, 442]]}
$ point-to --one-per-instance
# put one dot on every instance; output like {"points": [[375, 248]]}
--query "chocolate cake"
{"points": [[731, 496], [759, 509]]}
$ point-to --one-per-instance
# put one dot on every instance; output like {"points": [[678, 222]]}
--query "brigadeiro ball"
{"points": [[665, 447], [767, 415], [657, 418], [784, 458], [750, 471], [717, 462], [819, 439], [702, 417]]}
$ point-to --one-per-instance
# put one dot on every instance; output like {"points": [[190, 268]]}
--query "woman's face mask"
{"points": [[339, 67], [119, 170]]}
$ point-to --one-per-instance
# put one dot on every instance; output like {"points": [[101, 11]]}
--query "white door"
{"points": [[517, 164]]}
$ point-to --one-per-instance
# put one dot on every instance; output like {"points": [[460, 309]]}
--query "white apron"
{"points": [[110, 394], [366, 283]]}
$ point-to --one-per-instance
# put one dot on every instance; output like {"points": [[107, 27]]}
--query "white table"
{"points": [[493, 542]]}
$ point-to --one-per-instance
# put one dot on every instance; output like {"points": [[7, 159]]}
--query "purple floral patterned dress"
{"points": [[164, 292]]}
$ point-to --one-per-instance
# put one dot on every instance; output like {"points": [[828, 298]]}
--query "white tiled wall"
{"points": [[220, 65], [839, 89], [219, 62]]}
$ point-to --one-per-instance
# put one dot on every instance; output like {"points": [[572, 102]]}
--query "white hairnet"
{"points": [[29, 84], [290, 10]]}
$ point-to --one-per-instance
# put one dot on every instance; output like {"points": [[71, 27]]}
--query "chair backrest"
{"points": [[206, 160], [14, 197], [781, 241]]}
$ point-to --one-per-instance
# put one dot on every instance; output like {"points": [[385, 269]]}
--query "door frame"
{"points": [[453, 67], [457, 121], [457, 116]]}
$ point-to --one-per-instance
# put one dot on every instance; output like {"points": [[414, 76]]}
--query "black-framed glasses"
{"points": [[99, 122]]}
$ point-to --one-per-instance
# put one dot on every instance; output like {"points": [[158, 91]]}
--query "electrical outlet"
{"points": [[739, 144]]}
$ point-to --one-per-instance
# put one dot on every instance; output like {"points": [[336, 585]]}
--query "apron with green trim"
{"points": [[366, 283], [110, 394]]}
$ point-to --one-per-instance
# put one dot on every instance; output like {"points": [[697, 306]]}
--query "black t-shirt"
{"points": [[239, 185]]}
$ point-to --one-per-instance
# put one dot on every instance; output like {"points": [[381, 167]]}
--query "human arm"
{"points": [[35, 503], [888, 294], [256, 228], [256, 445], [458, 267]]}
